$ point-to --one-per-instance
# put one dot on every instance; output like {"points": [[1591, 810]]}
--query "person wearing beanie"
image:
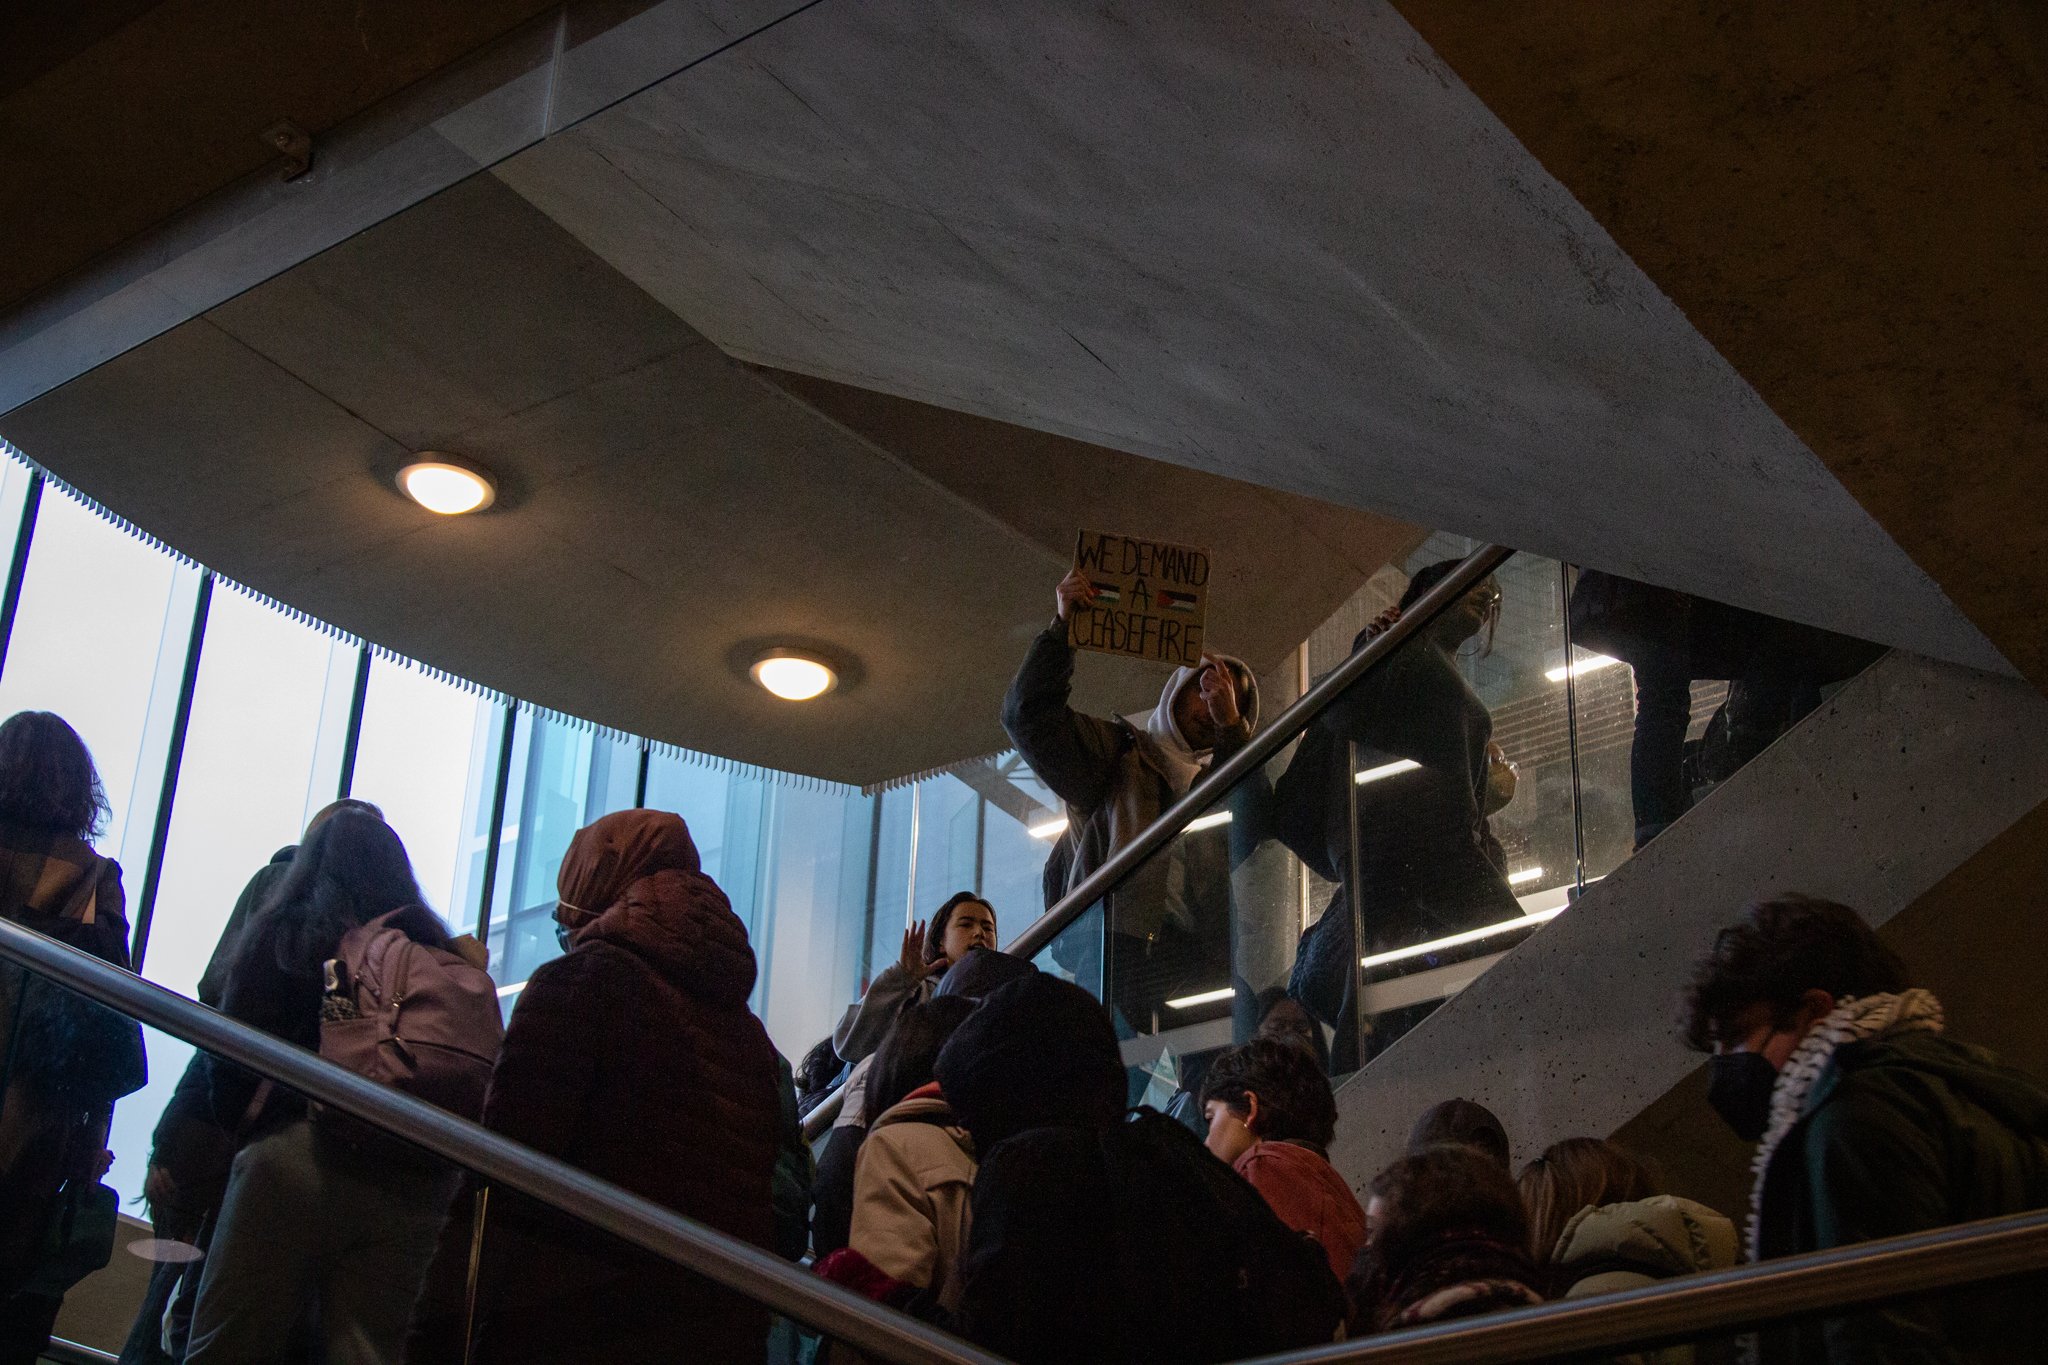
{"points": [[1100, 1239], [1465, 1123]]}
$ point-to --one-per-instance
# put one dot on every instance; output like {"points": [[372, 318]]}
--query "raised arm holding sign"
{"points": [[1142, 598]]}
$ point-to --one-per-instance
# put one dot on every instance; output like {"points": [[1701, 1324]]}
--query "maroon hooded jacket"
{"points": [[633, 1057]]}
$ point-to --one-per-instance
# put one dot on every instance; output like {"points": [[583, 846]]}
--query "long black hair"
{"points": [[47, 779], [351, 869], [907, 1055]]}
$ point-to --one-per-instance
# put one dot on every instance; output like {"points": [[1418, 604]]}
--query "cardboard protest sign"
{"points": [[1151, 598]]}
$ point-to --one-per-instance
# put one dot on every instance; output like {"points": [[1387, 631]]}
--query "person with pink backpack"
{"points": [[327, 1228]]}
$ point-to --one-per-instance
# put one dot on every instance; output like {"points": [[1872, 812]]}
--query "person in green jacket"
{"points": [[1870, 1123]]}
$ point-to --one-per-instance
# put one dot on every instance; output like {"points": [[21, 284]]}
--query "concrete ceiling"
{"points": [[115, 114], [663, 508], [1849, 201], [1285, 244]]}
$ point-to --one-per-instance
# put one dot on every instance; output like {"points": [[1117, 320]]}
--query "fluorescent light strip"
{"points": [[1209, 821], [1459, 940], [1587, 663], [512, 989], [1385, 770], [1188, 1002], [1051, 829], [1527, 874]]}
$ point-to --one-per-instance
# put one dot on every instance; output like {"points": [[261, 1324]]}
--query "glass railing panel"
{"points": [[1461, 831], [252, 1221]]}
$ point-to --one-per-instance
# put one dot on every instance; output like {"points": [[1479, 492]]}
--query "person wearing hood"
{"points": [[1428, 865], [1168, 923], [1599, 1224], [1869, 1122], [634, 1057], [1097, 1239]]}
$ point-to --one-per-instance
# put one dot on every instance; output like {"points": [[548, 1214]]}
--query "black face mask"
{"points": [[1739, 1086]]}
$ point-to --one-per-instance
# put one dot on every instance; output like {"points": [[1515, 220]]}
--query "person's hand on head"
{"points": [[1382, 623], [1074, 588], [912, 961], [1219, 692]]}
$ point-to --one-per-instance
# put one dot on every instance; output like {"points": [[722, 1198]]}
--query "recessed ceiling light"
{"points": [[794, 676], [448, 486]]}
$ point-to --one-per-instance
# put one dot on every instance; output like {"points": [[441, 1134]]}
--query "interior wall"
{"points": [[1974, 939]]}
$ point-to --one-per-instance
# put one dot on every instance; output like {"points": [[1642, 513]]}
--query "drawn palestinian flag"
{"points": [[1176, 601], [1105, 595]]}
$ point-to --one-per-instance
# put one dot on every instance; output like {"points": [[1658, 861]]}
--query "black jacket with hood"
{"points": [[1054, 1271]]}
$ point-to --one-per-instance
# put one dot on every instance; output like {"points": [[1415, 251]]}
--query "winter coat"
{"points": [[633, 1057], [1067, 1193], [1904, 1132], [213, 982], [71, 1059], [911, 1193], [1116, 781], [1626, 1246], [796, 1171], [1308, 1195], [190, 1146]]}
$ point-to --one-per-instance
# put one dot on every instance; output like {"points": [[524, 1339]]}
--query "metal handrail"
{"points": [[761, 1276], [1716, 1302], [62, 1352], [1223, 776]]}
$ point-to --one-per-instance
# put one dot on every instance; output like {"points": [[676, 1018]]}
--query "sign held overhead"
{"points": [[1151, 598]]}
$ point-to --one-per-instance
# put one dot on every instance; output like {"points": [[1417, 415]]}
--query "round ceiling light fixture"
{"points": [[793, 675], [447, 484]]}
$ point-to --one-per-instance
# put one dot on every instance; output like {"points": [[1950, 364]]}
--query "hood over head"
{"points": [[631, 879], [1183, 761], [981, 972], [1039, 1052], [611, 853]]}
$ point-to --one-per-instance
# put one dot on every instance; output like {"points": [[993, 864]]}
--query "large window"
{"points": [[99, 637], [426, 755]]}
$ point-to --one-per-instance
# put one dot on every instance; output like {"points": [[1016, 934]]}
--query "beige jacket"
{"points": [[911, 1193]]}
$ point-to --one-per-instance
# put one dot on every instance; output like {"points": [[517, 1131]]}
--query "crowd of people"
{"points": [[987, 1171]]}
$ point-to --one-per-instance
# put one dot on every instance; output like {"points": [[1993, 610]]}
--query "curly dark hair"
{"points": [[1295, 1103], [1781, 949], [1438, 1190], [47, 779]]}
